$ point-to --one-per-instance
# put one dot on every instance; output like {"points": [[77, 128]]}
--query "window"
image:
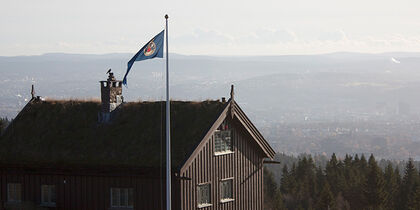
{"points": [[223, 143], [122, 197], [203, 195], [222, 139], [226, 188], [48, 195], [14, 192]]}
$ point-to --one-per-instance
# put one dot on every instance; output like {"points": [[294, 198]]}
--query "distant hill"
{"points": [[273, 90]]}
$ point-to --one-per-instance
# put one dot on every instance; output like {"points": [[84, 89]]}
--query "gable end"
{"points": [[237, 112]]}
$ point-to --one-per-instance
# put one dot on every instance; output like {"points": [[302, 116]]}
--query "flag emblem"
{"points": [[153, 49], [150, 49]]}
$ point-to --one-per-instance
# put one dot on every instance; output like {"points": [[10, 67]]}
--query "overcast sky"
{"points": [[214, 27]]}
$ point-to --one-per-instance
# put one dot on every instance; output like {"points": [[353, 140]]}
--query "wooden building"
{"points": [[110, 155]]}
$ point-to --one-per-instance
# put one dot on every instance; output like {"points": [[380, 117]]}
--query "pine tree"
{"points": [[356, 159], [341, 203], [408, 185], [363, 164], [292, 180], [333, 174], [391, 186], [303, 182], [272, 196], [348, 161], [326, 199], [375, 187], [320, 181], [284, 181], [355, 181], [305, 174], [359, 199], [397, 175], [311, 176], [414, 201], [349, 176], [288, 187]]}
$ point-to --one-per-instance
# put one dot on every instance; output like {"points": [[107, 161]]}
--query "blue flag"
{"points": [[153, 49]]}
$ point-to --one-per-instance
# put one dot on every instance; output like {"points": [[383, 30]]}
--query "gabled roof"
{"points": [[68, 133]]}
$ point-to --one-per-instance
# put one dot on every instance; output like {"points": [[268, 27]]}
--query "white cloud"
{"points": [[337, 35], [269, 36], [203, 37], [268, 41]]}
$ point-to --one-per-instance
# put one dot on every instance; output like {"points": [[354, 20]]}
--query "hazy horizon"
{"points": [[210, 28], [213, 55]]}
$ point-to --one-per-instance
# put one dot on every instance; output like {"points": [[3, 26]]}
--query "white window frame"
{"points": [[51, 193], [17, 191], [201, 204], [223, 197], [126, 190], [224, 135]]}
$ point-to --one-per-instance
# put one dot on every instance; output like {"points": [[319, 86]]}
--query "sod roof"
{"points": [[68, 133]]}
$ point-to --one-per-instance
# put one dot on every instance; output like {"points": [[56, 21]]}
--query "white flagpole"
{"points": [[168, 135]]}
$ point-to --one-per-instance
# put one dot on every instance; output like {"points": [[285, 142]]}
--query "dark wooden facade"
{"points": [[84, 190], [90, 188], [244, 165]]}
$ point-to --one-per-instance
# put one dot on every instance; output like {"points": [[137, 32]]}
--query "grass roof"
{"points": [[68, 132]]}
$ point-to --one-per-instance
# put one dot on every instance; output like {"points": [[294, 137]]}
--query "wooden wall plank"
{"points": [[243, 165]]}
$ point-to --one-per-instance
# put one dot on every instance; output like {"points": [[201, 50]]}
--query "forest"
{"points": [[342, 184]]}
